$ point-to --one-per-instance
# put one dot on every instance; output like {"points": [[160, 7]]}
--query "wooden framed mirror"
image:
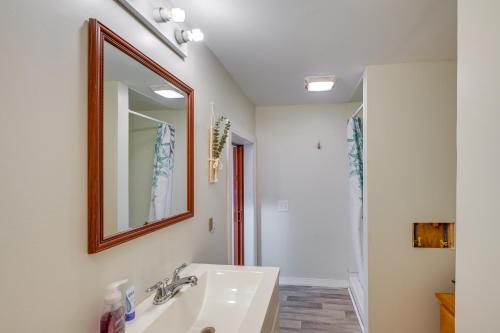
{"points": [[140, 143]]}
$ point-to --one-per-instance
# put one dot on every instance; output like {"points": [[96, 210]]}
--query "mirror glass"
{"points": [[145, 121]]}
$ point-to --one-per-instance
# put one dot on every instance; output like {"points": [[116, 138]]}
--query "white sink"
{"points": [[230, 299]]}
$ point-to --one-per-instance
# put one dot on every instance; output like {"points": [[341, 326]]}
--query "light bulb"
{"points": [[184, 36], [178, 14], [320, 83], [320, 86], [197, 35], [168, 93]]}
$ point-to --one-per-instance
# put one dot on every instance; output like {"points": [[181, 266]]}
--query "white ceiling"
{"points": [[269, 46]]}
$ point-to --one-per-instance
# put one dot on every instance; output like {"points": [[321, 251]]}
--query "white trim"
{"points": [[358, 294], [229, 202], [355, 305], [296, 281]]}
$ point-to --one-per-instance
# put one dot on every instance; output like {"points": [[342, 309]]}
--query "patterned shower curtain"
{"points": [[163, 167], [355, 155]]}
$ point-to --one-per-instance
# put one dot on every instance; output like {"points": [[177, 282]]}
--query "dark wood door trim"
{"points": [[238, 204]]}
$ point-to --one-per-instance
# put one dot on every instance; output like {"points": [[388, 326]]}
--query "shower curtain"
{"points": [[355, 155], [163, 167]]}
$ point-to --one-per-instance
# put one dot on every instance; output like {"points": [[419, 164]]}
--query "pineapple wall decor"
{"points": [[218, 137]]}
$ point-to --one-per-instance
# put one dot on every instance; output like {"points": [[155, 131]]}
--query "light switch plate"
{"points": [[282, 205]]}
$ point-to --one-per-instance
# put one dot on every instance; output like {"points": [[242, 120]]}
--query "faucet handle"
{"points": [[176, 277], [161, 294], [193, 280], [156, 286]]}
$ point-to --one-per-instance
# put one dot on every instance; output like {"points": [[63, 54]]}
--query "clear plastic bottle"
{"points": [[112, 319]]}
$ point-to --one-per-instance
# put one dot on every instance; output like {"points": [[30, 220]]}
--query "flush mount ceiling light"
{"points": [[166, 92], [320, 83], [184, 36], [162, 15]]}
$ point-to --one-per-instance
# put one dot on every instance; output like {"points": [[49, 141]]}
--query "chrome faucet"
{"points": [[165, 289], [175, 276]]}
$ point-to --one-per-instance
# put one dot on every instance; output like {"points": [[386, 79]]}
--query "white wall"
{"points": [[410, 138], [478, 180], [250, 241], [115, 164], [312, 239], [48, 282]]}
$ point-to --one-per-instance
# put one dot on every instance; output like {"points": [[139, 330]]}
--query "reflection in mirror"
{"points": [[145, 145]]}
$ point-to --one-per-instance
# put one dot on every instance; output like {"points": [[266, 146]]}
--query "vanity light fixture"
{"points": [[184, 36], [165, 92], [162, 14], [320, 83]]}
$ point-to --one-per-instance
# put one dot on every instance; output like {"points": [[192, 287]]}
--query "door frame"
{"points": [[238, 200], [250, 232]]}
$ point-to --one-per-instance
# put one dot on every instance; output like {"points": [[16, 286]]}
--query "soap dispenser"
{"points": [[112, 319]]}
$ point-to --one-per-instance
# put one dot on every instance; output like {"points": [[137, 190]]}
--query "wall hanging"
{"points": [[218, 132]]}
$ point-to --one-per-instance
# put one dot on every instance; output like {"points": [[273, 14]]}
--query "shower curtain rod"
{"points": [[147, 117], [357, 111]]}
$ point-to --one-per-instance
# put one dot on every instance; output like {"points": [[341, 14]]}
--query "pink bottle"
{"points": [[112, 319]]}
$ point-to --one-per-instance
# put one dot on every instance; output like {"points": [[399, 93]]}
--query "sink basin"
{"points": [[227, 299]]}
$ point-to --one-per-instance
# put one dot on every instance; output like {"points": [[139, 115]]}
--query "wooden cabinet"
{"points": [[447, 312]]}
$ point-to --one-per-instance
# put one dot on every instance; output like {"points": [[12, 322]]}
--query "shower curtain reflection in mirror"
{"points": [[163, 167]]}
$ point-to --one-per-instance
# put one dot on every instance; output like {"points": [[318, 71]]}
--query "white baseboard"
{"points": [[356, 310], [296, 281]]}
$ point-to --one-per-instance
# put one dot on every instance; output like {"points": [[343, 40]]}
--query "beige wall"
{"points": [[48, 282], [478, 180], [410, 128], [312, 239]]}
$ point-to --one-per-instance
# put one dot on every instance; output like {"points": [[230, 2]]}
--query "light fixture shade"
{"points": [[162, 15], [320, 83], [182, 36]]}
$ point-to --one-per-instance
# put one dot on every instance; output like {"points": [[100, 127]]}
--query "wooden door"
{"points": [[238, 204]]}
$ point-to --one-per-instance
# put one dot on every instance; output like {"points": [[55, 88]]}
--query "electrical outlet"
{"points": [[282, 205]]}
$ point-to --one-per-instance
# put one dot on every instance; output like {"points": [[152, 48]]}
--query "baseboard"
{"points": [[357, 294], [355, 304], [296, 281]]}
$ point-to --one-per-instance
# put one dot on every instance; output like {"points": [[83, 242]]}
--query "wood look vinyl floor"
{"points": [[317, 310]]}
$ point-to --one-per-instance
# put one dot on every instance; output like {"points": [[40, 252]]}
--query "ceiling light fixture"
{"points": [[184, 36], [162, 15], [167, 93], [320, 83]]}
